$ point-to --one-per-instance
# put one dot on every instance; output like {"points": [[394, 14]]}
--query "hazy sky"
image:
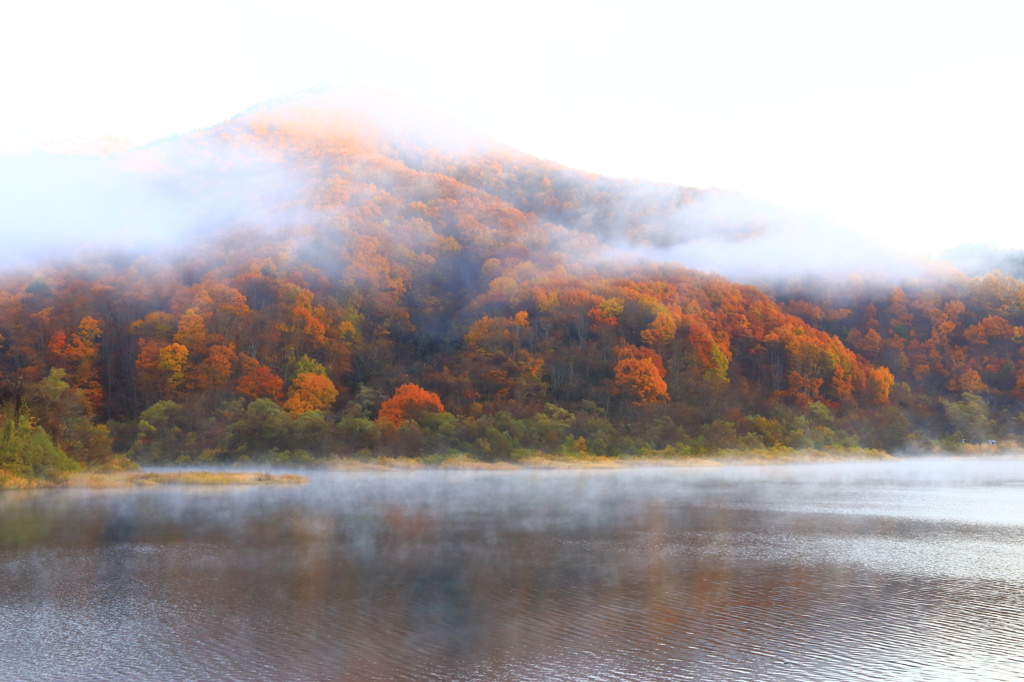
{"points": [[904, 120]]}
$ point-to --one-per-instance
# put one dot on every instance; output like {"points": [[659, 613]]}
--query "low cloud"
{"points": [[55, 206], [754, 242]]}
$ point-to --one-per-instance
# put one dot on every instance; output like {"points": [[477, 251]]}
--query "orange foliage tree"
{"points": [[879, 381], [172, 360], [78, 354], [310, 392], [215, 371], [409, 402], [640, 375]]}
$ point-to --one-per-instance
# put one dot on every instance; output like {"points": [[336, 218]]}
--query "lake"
{"points": [[905, 570]]}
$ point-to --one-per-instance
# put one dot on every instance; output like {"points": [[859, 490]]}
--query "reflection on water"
{"points": [[883, 571]]}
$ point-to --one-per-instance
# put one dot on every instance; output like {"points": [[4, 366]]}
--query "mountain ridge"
{"points": [[348, 292]]}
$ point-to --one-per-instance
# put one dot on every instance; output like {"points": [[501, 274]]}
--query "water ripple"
{"points": [[529, 576]]}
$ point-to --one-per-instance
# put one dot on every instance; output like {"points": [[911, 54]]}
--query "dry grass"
{"points": [[541, 460], [998, 448], [9, 481], [128, 479], [460, 461]]}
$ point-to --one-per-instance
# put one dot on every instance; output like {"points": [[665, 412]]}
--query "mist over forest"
{"points": [[327, 275]]}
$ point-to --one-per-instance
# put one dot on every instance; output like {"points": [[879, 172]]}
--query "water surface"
{"points": [[880, 571]]}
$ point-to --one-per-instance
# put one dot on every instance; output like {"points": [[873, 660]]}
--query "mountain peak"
{"points": [[370, 113]]}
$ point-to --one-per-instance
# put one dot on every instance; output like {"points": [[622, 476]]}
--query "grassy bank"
{"points": [[528, 459], [133, 479]]}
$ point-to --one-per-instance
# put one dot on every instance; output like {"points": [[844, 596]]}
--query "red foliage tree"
{"points": [[257, 381]]}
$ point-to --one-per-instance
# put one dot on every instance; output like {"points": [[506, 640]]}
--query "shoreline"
{"points": [[542, 461], [260, 473]]}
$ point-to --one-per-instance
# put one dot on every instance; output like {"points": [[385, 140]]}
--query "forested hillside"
{"points": [[394, 288], [955, 346]]}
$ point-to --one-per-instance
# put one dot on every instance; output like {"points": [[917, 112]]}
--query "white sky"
{"points": [[904, 120]]}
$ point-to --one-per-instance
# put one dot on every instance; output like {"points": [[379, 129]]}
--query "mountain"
{"points": [[340, 273]]}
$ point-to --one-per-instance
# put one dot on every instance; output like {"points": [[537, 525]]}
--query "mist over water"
{"points": [[884, 571]]}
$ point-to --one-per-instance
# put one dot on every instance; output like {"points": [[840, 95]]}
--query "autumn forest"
{"points": [[396, 290]]}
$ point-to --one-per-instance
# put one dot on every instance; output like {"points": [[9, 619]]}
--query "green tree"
{"points": [[969, 416]]}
